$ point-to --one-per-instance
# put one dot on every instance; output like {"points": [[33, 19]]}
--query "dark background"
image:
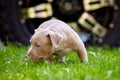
{"points": [[12, 29]]}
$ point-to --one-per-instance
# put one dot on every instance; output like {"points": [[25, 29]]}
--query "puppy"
{"points": [[55, 37]]}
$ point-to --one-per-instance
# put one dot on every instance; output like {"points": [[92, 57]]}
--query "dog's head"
{"points": [[43, 43]]}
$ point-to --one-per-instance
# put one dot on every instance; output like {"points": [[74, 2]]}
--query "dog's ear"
{"points": [[56, 39]]}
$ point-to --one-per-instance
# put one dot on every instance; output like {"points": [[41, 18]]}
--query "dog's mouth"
{"points": [[35, 57], [41, 58]]}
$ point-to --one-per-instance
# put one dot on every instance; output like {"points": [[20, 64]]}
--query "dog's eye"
{"points": [[37, 45]]}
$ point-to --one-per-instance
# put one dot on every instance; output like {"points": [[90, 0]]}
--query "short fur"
{"points": [[55, 37]]}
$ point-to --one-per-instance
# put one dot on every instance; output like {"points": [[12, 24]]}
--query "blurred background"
{"points": [[96, 21]]}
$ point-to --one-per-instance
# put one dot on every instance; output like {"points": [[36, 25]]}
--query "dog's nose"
{"points": [[29, 53]]}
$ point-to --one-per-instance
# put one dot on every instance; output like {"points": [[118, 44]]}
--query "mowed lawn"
{"points": [[104, 64]]}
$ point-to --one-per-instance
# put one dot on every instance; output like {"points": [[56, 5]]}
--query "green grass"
{"points": [[104, 64]]}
